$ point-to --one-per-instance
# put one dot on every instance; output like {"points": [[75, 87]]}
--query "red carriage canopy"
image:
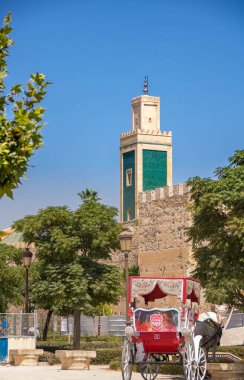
{"points": [[152, 288]]}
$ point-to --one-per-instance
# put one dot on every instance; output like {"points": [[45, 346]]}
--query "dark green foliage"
{"points": [[20, 135], [105, 351], [134, 270], [53, 346], [69, 276], [54, 338], [11, 277], [217, 232], [104, 356], [97, 229]]}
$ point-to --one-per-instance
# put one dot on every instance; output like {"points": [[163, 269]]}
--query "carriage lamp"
{"points": [[26, 258], [125, 238]]}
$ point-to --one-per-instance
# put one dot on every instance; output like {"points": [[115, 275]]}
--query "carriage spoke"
{"points": [[126, 360], [149, 371], [194, 370]]}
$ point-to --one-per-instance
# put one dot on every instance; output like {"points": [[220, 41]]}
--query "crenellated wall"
{"points": [[162, 193], [161, 241], [147, 132]]}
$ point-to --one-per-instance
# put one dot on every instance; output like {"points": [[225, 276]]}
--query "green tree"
{"points": [[20, 134], [11, 277], [217, 232], [89, 194], [69, 276]]}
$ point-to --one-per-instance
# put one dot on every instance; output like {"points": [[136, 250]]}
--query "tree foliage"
{"points": [[89, 194], [11, 277], [69, 276], [217, 232], [20, 134]]}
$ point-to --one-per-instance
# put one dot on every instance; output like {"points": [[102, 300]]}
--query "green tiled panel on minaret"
{"points": [[154, 169], [129, 191]]}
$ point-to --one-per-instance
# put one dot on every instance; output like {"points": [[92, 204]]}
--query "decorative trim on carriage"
{"points": [[193, 287], [144, 287], [154, 288]]}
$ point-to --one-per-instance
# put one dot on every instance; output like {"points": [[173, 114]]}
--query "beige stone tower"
{"points": [[145, 155]]}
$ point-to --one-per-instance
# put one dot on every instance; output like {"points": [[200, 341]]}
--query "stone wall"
{"points": [[161, 241]]}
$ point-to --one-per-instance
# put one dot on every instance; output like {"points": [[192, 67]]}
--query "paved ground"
{"points": [[232, 337], [236, 320], [54, 373]]}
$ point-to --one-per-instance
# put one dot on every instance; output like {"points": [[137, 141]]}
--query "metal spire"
{"points": [[145, 89]]}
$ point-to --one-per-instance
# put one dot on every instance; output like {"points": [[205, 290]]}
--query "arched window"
{"points": [[128, 214], [129, 177]]}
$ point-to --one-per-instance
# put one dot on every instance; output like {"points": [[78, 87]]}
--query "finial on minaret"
{"points": [[145, 89]]}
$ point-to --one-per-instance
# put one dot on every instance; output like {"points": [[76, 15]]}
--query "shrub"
{"points": [[49, 357], [171, 369], [88, 338], [115, 364], [235, 350], [105, 356], [57, 337], [53, 346], [54, 337], [103, 338], [99, 344]]}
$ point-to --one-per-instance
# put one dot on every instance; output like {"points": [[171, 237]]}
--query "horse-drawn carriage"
{"points": [[160, 336]]}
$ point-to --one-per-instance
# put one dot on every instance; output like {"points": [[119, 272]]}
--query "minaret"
{"points": [[145, 154]]}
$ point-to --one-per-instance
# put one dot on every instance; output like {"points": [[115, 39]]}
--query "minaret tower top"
{"points": [[145, 154], [146, 112]]}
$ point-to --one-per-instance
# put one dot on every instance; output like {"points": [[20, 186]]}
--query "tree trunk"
{"points": [[99, 326], [76, 343], [45, 330]]}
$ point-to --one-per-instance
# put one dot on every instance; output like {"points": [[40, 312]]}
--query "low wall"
{"points": [[26, 342]]}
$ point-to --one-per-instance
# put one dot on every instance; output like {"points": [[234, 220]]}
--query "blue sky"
{"points": [[97, 53]]}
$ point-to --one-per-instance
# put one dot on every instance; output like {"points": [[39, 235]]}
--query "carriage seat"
{"points": [[158, 329], [156, 320]]}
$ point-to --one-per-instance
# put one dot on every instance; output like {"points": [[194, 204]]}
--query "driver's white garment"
{"points": [[208, 315]]}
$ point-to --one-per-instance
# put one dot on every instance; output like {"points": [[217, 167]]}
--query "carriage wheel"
{"points": [[200, 367], [126, 360], [188, 360], [194, 370], [149, 371]]}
